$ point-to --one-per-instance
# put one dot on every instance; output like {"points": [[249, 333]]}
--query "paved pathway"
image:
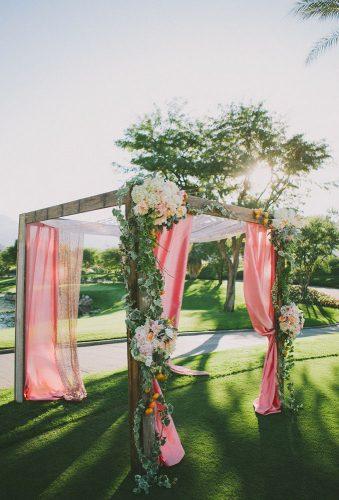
{"points": [[334, 292], [111, 357]]}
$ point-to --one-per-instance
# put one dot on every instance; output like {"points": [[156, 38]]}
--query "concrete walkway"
{"points": [[111, 357]]}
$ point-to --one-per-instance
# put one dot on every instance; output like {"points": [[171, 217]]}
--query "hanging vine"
{"points": [[158, 204], [290, 319]]}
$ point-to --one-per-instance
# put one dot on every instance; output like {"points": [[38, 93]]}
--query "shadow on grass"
{"points": [[63, 450]]}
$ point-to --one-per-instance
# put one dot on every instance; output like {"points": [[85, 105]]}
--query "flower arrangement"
{"points": [[261, 216], [291, 320], [157, 203], [160, 199], [284, 234], [153, 339], [284, 217]]}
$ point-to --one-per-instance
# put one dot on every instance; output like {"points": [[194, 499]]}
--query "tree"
{"points": [[90, 257], [323, 10], [196, 259], [215, 156], [313, 250], [110, 260], [8, 256]]}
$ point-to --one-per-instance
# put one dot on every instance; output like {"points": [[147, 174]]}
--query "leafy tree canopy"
{"points": [[215, 155], [318, 240]]}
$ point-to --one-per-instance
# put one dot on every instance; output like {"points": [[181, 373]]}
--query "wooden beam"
{"points": [[209, 207], [133, 365], [104, 200], [19, 372]]}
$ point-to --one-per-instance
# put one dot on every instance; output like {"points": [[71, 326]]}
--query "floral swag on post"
{"points": [[157, 203], [290, 319], [284, 228]]}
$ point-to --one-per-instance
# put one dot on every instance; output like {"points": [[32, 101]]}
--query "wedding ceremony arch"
{"points": [[155, 237]]}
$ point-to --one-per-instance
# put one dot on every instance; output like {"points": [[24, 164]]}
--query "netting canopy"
{"points": [[205, 228]]}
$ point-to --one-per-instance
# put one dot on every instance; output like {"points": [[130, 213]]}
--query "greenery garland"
{"points": [[138, 240], [283, 239]]}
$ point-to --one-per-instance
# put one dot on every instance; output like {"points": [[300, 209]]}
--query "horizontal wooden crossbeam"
{"points": [[217, 209], [104, 200], [112, 198]]}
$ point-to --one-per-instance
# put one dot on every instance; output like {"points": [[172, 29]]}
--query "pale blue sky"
{"points": [[75, 74]]}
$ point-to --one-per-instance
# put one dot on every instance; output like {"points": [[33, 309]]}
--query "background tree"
{"points": [[215, 156], [319, 238], [90, 257], [8, 258], [110, 260], [323, 10]]}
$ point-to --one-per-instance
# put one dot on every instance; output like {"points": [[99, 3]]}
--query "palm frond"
{"points": [[321, 45], [323, 9]]}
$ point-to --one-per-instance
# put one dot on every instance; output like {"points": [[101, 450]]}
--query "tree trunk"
{"points": [[230, 291], [233, 265], [220, 270]]}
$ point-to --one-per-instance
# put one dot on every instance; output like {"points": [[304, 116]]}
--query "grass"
{"points": [[202, 310], [69, 451]]}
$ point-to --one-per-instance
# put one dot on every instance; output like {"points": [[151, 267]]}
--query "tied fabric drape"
{"points": [[171, 254], [259, 276], [52, 267]]}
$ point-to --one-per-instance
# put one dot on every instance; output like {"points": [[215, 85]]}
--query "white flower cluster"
{"points": [[291, 320], [160, 198], [154, 337], [286, 217]]}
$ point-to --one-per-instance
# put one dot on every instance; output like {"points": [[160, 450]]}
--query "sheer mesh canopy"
{"points": [[205, 228]]}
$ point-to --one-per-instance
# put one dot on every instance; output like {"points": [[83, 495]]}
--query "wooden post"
{"points": [[280, 344], [133, 366], [20, 313]]}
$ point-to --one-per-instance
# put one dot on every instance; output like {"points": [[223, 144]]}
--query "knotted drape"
{"points": [[259, 276], [171, 253], [52, 293]]}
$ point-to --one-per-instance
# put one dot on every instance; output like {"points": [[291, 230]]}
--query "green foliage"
{"points": [[138, 239], [327, 276], [317, 241], [323, 10], [8, 259], [110, 260], [214, 155], [284, 239], [202, 255], [89, 258], [313, 297]]}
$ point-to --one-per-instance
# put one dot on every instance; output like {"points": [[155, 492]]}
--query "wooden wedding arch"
{"points": [[105, 200]]}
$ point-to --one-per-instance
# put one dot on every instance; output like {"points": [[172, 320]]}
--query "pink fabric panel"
{"points": [[259, 275], [172, 451], [172, 254], [42, 379]]}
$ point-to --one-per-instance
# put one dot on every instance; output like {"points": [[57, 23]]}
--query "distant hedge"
{"points": [[314, 297]]}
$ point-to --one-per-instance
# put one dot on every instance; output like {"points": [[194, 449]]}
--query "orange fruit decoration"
{"points": [[152, 404], [148, 411], [156, 395]]}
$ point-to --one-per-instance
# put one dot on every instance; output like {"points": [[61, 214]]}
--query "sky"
{"points": [[75, 74]]}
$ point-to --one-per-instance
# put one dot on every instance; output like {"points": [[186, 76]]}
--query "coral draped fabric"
{"points": [[259, 275], [42, 375], [172, 253], [51, 362]]}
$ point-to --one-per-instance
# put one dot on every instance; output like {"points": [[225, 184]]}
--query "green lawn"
{"points": [[202, 310], [69, 451]]}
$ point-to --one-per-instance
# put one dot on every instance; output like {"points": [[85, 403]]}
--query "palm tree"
{"points": [[324, 10]]}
